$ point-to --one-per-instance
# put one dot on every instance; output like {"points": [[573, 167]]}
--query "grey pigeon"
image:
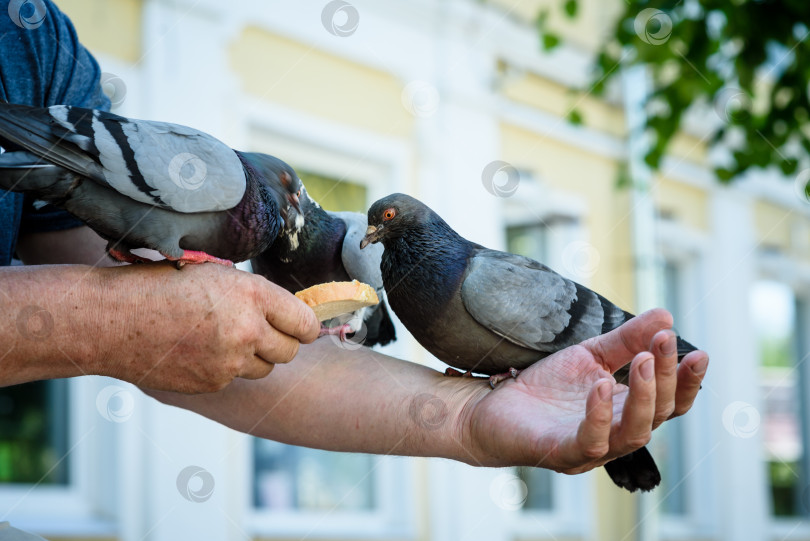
{"points": [[327, 249], [487, 311], [147, 184]]}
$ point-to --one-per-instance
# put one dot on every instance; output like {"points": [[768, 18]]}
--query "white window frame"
{"points": [[784, 269], [537, 203], [382, 165], [71, 509], [686, 247]]}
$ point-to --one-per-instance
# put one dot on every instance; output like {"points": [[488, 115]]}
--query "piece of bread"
{"points": [[336, 298]]}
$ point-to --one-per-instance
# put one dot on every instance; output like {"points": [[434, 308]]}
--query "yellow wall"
{"points": [[300, 77], [545, 95], [688, 148], [686, 204], [587, 30], [593, 178], [109, 27], [773, 226]]}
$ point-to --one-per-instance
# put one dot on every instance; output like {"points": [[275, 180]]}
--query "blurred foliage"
{"points": [[749, 60], [31, 443], [335, 195], [784, 488], [777, 352]]}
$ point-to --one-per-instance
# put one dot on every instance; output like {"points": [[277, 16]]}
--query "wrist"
{"points": [[111, 334], [459, 398]]}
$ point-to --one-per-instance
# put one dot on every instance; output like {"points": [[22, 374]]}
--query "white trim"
{"points": [[571, 513], [330, 148], [393, 516], [677, 241], [559, 129], [686, 248]]}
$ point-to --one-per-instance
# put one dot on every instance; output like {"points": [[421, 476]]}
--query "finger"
{"points": [[289, 314], [690, 375], [618, 347], [639, 409], [664, 348], [256, 368], [593, 436], [276, 347]]}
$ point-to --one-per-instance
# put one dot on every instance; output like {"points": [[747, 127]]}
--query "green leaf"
{"points": [[623, 179], [575, 117], [541, 20], [550, 41], [748, 61], [723, 174], [789, 166], [570, 8]]}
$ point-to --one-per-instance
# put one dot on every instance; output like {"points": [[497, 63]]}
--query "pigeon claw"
{"points": [[194, 257], [497, 378], [341, 331], [453, 373]]}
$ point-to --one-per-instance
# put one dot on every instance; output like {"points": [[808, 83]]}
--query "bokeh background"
{"points": [[489, 112]]}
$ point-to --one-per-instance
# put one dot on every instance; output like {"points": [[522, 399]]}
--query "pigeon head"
{"points": [[394, 216], [283, 183]]}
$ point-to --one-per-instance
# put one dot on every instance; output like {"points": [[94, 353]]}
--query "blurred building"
{"points": [[454, 102]]}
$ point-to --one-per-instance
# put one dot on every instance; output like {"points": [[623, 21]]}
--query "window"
{"points": [[290, 482], [528, 240], [671, 436], [551, 499], [336, 194], [540, 484], [531, 240], [784, 421], [297, 478], [34, 425]]}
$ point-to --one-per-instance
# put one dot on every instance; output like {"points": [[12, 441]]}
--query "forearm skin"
{"points": [[338, 399]]}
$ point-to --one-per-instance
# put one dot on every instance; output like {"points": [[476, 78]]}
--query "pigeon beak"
{"points": [[295, 202], [373, 235]]}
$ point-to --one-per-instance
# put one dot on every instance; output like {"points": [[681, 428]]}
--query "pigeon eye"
{"points": [[389, 213], [298, 193]]}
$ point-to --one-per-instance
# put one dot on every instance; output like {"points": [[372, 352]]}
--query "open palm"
{"points": [[567, 413]]}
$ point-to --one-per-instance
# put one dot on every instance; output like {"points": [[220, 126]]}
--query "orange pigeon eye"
{"points": [[389, 213], [298, 193]]}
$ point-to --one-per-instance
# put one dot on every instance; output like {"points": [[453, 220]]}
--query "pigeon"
{"points": [[148, 184], [326, 248], [488, 311]]}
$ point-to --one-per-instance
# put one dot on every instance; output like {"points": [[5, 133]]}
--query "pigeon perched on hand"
{"points": [[327, 249], [147, 184], [487, 311]]}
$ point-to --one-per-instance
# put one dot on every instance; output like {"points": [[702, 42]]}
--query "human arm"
{"points": [[550, 416], [188, 330]]}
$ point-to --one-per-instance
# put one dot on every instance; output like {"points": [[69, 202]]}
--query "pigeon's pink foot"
{"points": [[497, 378], [341, 331], [194, 257], [127, 257]]}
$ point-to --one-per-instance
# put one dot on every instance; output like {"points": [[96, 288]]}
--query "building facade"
{"points": [[454, 102]]}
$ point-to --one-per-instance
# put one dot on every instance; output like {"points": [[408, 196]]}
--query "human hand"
{"points": [[195, 329], [567, 413]]}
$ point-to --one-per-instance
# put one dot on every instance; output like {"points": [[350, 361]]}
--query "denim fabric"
{"points": [[42, 63]]}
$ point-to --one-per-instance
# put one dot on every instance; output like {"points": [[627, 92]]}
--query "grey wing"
{"points": [[362, 265], [156, 163], [531, 305]]}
